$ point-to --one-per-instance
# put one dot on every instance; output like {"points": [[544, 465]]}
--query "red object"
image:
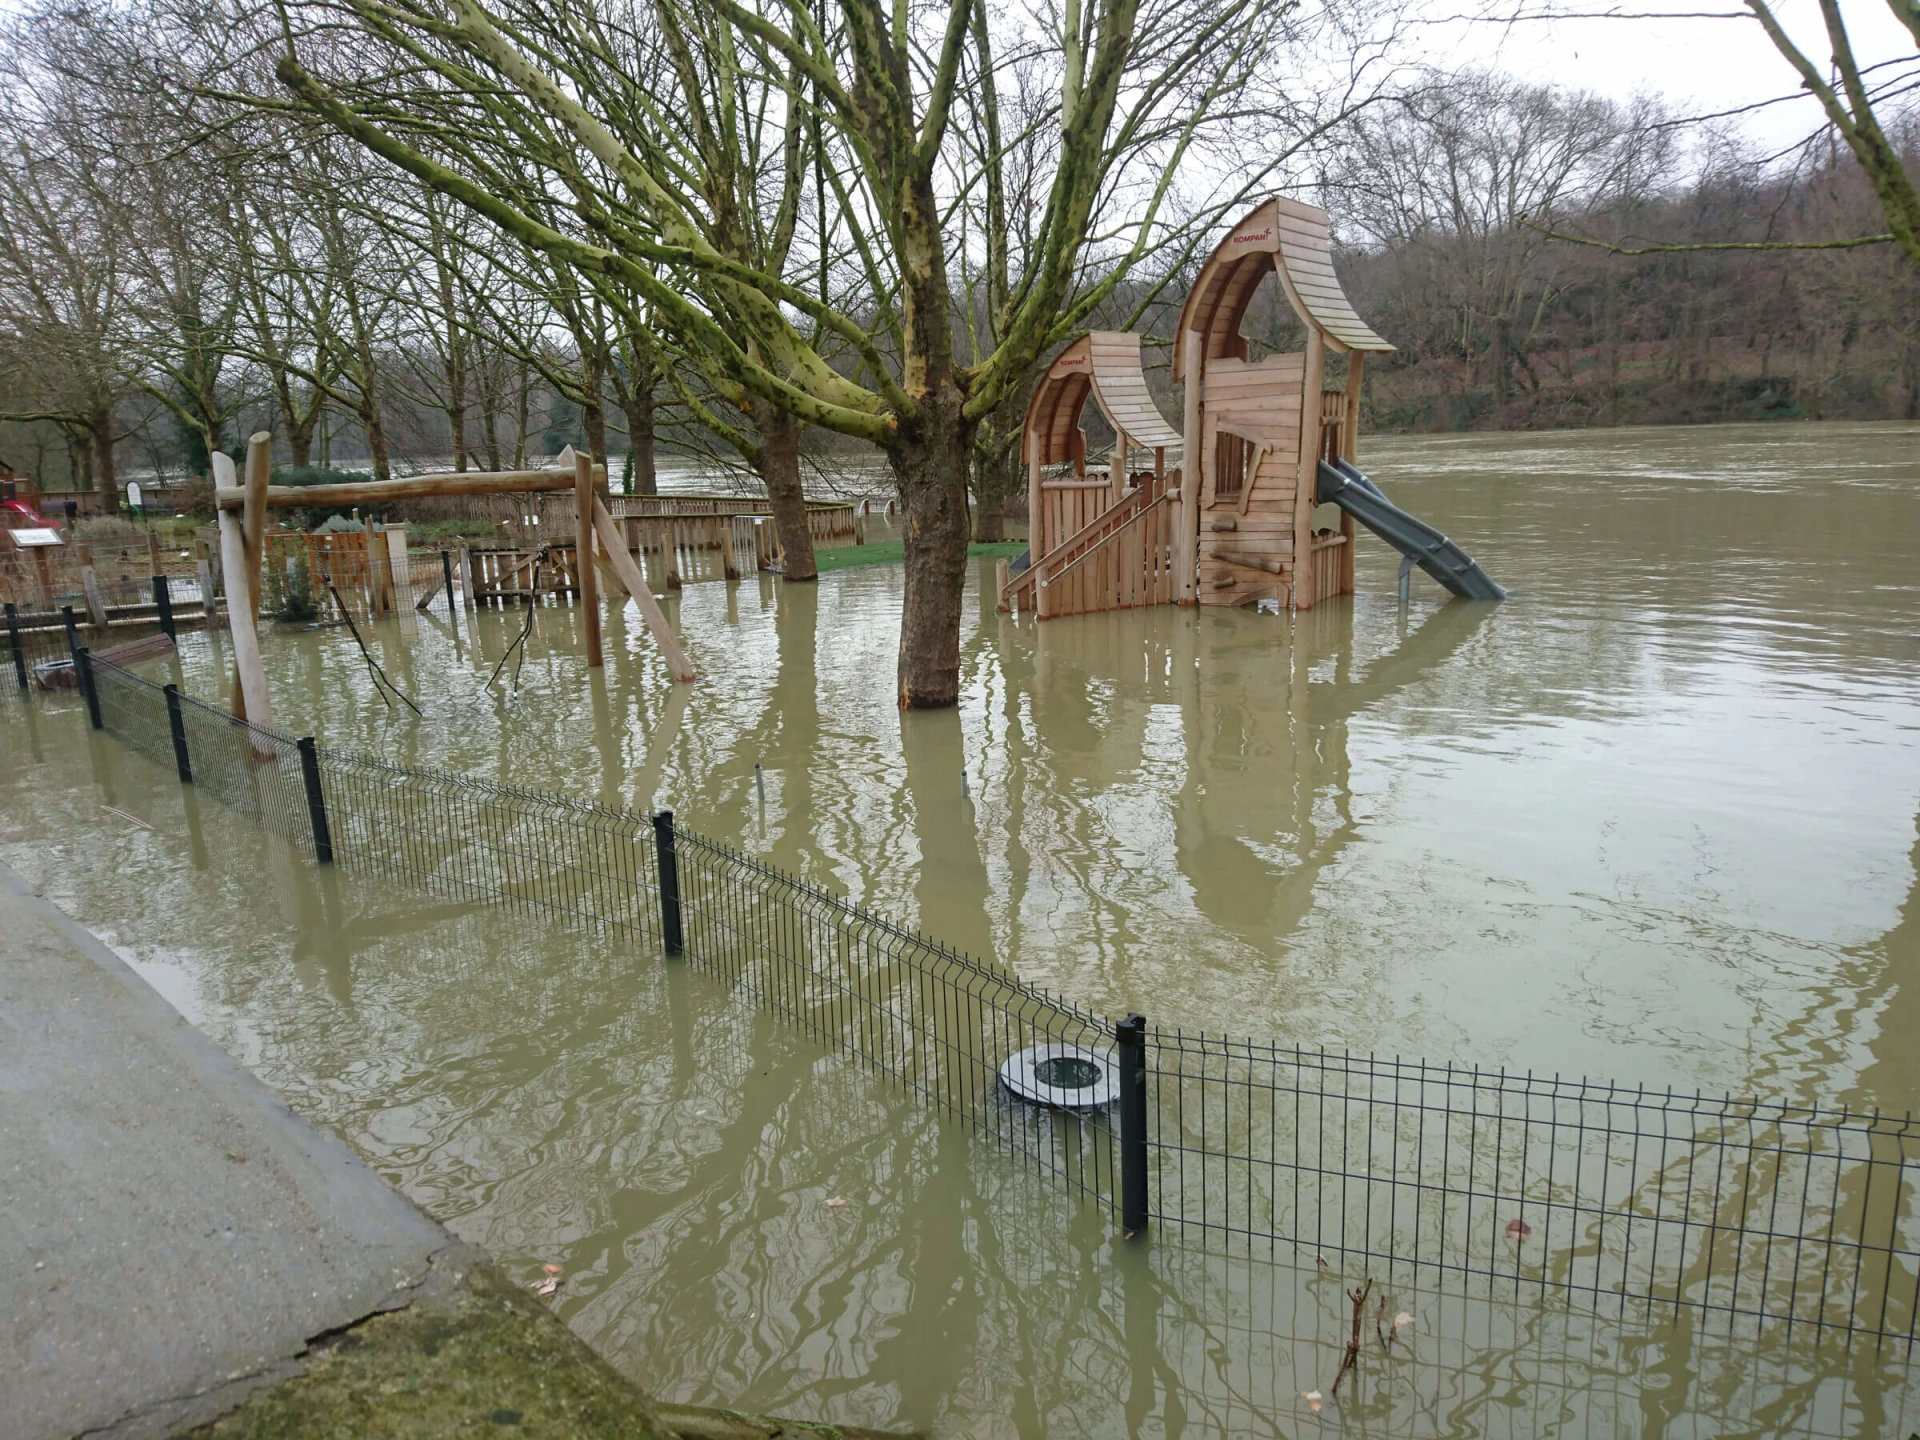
{"points": [[19, 513]]}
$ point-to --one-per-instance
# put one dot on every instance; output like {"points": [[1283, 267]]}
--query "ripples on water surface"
{"points": [[1653, 819]]}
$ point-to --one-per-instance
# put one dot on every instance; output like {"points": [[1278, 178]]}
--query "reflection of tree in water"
{"points": [[558, 1099]]}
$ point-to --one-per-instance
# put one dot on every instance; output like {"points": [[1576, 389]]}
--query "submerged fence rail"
{"points": [[1619, 1201]]}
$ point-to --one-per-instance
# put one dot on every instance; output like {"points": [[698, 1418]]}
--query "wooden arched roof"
{"points": [[1286, 236], [1120, 385], [1105, 365], [1053, 415]]}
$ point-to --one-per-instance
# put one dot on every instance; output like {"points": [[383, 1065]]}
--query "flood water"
{"points": [[1652, 820]]}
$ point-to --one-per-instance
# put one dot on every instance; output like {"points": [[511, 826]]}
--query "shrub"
{"points": [[302, 475], [289, 594]]}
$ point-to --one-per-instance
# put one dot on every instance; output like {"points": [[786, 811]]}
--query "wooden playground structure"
{"points": [[242, 511], [1100, 542], [1234, 525]]}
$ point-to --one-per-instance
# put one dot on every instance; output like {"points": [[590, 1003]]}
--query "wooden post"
{"points": [[250, 679], [1036, 499], [1000, 585], [1117, 469], [729, 567], [1349, 451], [1312, 407], [636, 586], [1186, 530], [467, 562], [203, 568], [585, 581], [259, 472], [154, 565], [399, 568], [96, 603]]}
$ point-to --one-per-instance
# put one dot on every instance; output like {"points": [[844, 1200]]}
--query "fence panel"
{"points": [[1614, 1200], [1618, 1199]]}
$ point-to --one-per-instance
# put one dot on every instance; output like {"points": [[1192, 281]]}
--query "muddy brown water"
{"points": [[1651, 820]]}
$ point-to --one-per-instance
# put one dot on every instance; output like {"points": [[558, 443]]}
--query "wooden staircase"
{"points": [[1120, 559]]}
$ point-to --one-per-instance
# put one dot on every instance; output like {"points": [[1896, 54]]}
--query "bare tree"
{"points": [[1137, 86], [1850, 98], [1446, 182], [61, 264]]}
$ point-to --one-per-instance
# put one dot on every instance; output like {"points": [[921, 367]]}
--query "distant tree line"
{"points": [[1446, 204]]}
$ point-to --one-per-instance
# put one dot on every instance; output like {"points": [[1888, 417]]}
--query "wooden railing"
{"points": [[1120, 559], [832, 522], [1333, 423]]}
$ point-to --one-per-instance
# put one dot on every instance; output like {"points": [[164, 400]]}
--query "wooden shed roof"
{"points": [[1287, 236], [1105, 365]]}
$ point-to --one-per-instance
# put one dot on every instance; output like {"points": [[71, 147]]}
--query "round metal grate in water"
{"points": [[1063, 1077]]}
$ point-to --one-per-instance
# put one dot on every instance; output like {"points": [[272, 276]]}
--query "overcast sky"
{"points": [[1702, 65]]}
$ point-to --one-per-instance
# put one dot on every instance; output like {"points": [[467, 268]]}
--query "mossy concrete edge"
{"points": [[474, 1354]]}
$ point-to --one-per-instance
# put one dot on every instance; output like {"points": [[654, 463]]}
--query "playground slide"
{"points": [[1421, 544]]}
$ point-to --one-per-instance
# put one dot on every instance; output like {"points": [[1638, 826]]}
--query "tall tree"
{"points": [[1851, 102], [459, 94]]}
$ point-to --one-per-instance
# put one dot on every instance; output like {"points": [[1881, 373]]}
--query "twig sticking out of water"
{"points": [[520, 640], [1351, 1360], [380, 676]]}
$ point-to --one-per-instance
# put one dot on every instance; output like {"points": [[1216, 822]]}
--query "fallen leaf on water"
{"points": [[1321, 1263], [551, 1269], [548, 1285], [1402, 1319], [1518, 1229], [1312, 1397], [835, 1203]]}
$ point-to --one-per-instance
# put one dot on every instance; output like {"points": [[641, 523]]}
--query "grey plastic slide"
{"points": [[1423, 545]]}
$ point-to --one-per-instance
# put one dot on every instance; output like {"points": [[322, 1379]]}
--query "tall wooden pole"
{"points": [[259, 472], [586, 580], [1117, 469], [250, 679], [1311, 410], [1187, 531], [1350, 451], [1036, 510]]}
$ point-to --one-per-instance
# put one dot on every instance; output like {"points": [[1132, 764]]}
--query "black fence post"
{"points": [[446, 572], [669, 880], [73, 633], [163, 599], [176, 722], [1131, 1037], [83, 664], [316, 802], [13, 644]]}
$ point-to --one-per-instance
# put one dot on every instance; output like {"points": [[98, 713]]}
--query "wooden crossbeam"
{"points": [[414, 487], [635, 585]]}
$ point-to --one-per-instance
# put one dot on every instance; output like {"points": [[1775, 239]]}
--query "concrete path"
{"points": [[171, 1235]]}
